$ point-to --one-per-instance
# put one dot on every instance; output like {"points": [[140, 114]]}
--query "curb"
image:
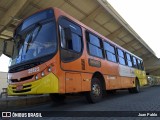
{"points": [[22, 101]]}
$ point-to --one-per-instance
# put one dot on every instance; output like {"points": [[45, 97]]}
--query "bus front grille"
{"points": [[22, 91], [25, 88], [22, 79]]}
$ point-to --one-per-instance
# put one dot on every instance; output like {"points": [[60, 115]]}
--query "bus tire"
{"points": [[136, 89], [95, 95], [58, 98]]}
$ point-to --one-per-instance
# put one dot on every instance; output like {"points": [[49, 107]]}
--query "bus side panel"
{"points": [[109, 68], [141, 76], [75, 65], [112, 82], [110, 71], [86, 81], [73, 82], [127, 82], [127, 76]]}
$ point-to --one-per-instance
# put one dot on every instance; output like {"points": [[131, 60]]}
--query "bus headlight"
{"points": [[36, 77], [49, 69], [42, 74]]}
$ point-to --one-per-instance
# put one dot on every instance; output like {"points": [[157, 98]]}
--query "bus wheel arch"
{"points": [[101, 79], [97, 88]]}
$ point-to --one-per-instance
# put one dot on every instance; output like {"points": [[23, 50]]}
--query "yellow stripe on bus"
{"points": [[47, 84]]}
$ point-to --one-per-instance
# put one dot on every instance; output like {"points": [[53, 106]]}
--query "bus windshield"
{"points": [[37, 39]]}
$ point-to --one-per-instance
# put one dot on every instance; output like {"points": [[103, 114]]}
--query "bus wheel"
{"points": [[95, 95], [136, 89], [57, 98]]}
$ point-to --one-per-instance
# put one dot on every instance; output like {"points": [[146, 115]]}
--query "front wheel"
{"points": [[95, 95]]}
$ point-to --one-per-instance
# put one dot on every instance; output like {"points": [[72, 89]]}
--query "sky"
{"points": [[142, 15], [4, 62]]}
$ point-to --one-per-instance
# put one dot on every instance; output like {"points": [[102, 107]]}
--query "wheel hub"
{"points": [[96, 90]]}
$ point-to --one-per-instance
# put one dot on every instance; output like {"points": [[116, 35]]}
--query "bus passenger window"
{"points": [[94, 45], [139, 64], [71, 40], [110, 52], [142, 65], [76, 42], [135, 63], [129, 61], [121, 57], [62, 37]]}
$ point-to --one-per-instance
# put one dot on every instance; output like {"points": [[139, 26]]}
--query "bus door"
{"points": [[71, 48]]}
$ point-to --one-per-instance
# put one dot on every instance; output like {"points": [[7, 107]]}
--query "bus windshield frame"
{"points": [[35, 38]]}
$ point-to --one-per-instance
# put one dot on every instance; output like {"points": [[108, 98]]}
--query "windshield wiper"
{"points": [[18, 40], [31, 39]]}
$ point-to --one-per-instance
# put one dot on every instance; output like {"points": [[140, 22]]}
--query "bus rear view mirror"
{"points": [[8, 47]]}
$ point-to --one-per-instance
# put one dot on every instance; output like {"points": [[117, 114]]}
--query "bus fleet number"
{"points": [[32, 70]]}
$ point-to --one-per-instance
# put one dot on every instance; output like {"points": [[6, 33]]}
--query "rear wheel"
{"points": [[58, 98], [95, 95], [136, 89]]}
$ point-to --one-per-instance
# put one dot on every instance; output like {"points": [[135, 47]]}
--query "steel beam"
{"points": [[92, 15], [138, 50], [16, 7], [115, 33], [128, 44]]}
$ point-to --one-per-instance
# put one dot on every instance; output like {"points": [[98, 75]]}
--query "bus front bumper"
{"points": [[47, 84]]}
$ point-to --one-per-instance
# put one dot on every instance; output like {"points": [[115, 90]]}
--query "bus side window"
{"points": [[121, 56], [110, 52], [129, 61], [142, 66], [94, 45], [139, 64], [62, 37], [71, 40], [134, 62]]}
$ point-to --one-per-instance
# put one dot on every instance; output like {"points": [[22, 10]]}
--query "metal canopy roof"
{"points": [[97, 14]]}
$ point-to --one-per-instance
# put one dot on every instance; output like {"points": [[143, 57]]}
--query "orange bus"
{"points": [[55, 54]]}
